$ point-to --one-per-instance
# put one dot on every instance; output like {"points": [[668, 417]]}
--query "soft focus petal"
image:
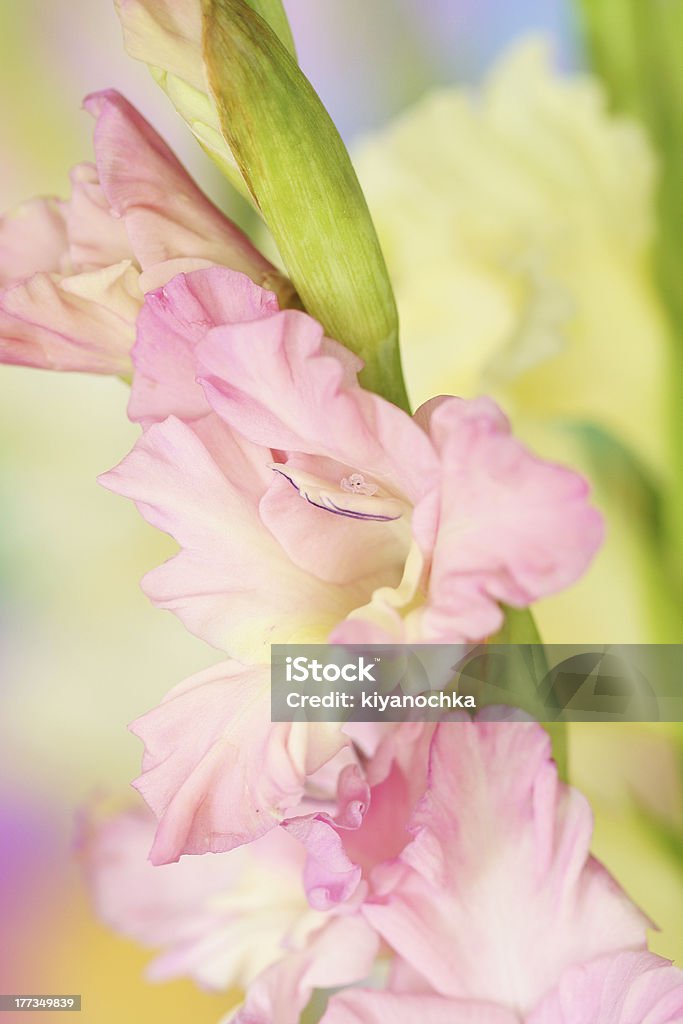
{"points": [[512, 528], [173, 906], [172, 322], [32, 239], [370, 1007], [510, 200], [633, 988], [216, 772], [499, 862], [341, 953], [221, 920]]}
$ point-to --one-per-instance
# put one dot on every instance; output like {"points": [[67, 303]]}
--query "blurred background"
{"points": [[81, 651]]}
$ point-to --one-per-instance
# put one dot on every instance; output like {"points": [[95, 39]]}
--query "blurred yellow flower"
{"points": [[517, 223]]}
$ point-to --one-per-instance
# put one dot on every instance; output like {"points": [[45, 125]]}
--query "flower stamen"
{"points": [[356, 484]]}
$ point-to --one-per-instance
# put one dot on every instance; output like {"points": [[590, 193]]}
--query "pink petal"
{"points": [[97, 238], [281, 384], [32, 239], [339, 954], [512, 527], [208, 915], [165, 214], [86, 322], [167, 906], [370, 1007], [233, 775], [397, 775], [499, 862], [173, 320], [631, 988], [371, 824], [333, 548], [329, 876], [231, 584]]}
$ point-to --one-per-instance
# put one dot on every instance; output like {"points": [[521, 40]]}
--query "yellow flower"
{"points": [[517, 223]]}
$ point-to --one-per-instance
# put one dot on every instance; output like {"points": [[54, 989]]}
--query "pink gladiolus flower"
{"points": [[496, 859], [309, 509], [73, 274], [474, 870], [485, 891], [237, 920]]}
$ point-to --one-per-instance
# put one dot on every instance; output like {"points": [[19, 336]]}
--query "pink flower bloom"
{"points": [[73, 274], [496, 859], [236, 920], [491, 902], [308, 508]]}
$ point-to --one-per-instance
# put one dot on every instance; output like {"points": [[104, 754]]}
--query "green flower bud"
{"points": [[301, 178]]}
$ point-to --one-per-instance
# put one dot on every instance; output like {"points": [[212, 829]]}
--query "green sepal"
{"points": [[274, 14], [520, 627]]}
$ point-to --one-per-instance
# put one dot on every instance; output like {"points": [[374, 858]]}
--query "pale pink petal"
{"points": [[632, 988], [165, 214], [499, 862], [173, 320], [329, 876], [397, 775], [85, 322], [333, 548], [233, 775], [362, 632], [172, 905], [339, 954], [220, 920], [370, 825], [281, 384], [370, 1007], [160, 274], [231, 583], [97, 238], [512, 528], [32, 239]]}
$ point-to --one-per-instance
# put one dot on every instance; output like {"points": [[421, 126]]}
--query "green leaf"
{"points": [[301, 178]]}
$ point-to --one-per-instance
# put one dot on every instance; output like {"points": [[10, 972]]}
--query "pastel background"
{"points": [[81, 651]]}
